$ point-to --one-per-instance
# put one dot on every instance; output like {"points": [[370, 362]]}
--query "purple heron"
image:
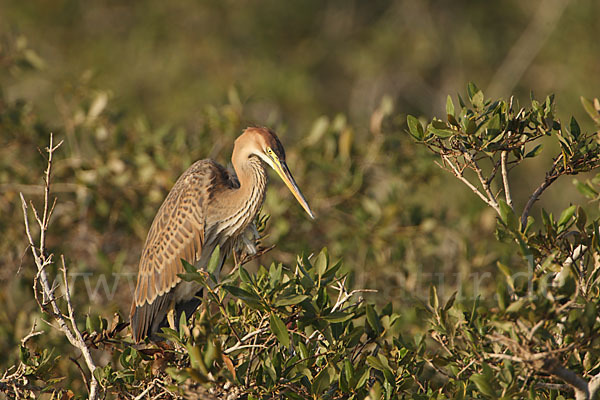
{"points": [[207, 206]]}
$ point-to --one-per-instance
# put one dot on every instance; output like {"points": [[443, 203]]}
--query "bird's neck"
{"points": [[248, 198]]}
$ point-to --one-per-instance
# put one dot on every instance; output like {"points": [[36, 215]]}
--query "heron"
{"points": [[207, 207]]}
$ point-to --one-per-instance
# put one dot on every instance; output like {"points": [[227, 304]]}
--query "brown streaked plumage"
{"points": [[207, 206]]}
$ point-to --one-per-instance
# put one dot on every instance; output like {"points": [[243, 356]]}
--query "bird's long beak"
{"points": [[284, 173]]}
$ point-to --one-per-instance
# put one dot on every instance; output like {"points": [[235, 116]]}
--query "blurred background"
{"points": [[140, 90]]}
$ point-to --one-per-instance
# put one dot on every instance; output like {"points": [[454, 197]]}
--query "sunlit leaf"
{"points": [[279, 330]]}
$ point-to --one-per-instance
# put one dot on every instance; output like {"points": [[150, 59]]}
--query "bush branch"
{"points": [[490, 202], [507, 195], [550, 178], [72, 333]]}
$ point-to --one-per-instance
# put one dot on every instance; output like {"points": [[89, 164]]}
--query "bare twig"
{"points": [[548, 363], [81, 371], [460, 176], [240, 343], [484, 182], [30, 335], [507, 195], [550, 178], [344, 295], [147, 390], [42, 260]]}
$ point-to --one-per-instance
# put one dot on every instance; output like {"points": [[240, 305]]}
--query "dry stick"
{"points": [[73, 334], [484, 182], [460, 176], [507, 195]]}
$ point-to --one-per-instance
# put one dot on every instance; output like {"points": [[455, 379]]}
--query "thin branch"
{"points": [[580, 385], [484, 182], [245, 346], [240, 342], [344, 295], [146, 391], [30, 335], [550, 178], [85, 380], [72, 333], [507, 195], [547, 362], [460, 176]]}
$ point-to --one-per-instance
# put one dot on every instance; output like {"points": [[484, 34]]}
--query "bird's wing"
{"points": [[177, 233]]}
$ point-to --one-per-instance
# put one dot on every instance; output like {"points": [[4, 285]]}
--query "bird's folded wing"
{"points": [[177, 233]]}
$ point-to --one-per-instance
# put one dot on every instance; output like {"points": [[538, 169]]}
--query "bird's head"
{"points": [[263, 143]]}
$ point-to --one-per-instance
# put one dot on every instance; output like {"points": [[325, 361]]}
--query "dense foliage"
{"points": [[473, 280]]}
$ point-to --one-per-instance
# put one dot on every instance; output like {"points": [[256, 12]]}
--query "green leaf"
{"points": [[470, 127], [338, 316], [373, 319], [99, 375], [477, 99], [380, 364], [449, 106], [592, 111], [434, 301], [282, 301], [472, 89], [349, 372], [182, 322], [23, 354], [195, 357], [566, 215], [415, 128], [189, 268], [574, 127], [193, 277], [585, 189], [535, 152], [215, 261], [363, 378], [275, 274], [321, 382], [494, 123], [244, 275], [89, 325], [516, 306], [180, 376], [330, 273], [249, 298], [375, 363], [321, 263], [450, 301], [507, 215], [443, 133], [170, 334], [483, 385], [279, 330]]}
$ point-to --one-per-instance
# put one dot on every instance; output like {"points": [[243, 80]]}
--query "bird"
{"points": [[208, 206]]}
